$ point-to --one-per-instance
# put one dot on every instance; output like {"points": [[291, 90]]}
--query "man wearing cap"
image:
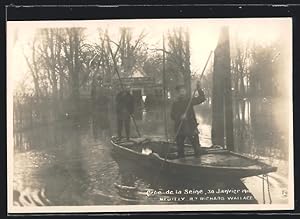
{"points": [[124, 108], [185, 119]]}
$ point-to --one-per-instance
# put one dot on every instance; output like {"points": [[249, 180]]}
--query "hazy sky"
{"points": [[204, 34]]}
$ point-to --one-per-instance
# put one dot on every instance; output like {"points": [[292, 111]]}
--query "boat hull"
{"points": [[191, 167]]}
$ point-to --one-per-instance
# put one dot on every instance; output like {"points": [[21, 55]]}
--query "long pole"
{"points": [[190, 101], [164, 89], [122, 87], [168, 147]]}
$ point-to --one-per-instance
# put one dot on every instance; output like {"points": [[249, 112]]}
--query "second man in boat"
{"points": [[124, 108], [183, 114]]}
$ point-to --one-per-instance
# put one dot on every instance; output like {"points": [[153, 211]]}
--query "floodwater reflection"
{"points": [[70, 163]]}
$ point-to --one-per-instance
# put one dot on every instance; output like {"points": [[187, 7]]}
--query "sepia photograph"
{"points": [[143, 115]]}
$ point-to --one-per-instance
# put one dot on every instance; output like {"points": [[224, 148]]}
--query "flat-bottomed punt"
{"points": [[213, 162]]}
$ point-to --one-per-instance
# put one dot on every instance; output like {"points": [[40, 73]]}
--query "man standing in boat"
{"points": [[124, 110], [185, 119]]}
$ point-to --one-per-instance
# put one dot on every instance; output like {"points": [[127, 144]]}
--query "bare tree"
{"points": [[178, 58], [264, 70], [240, 64], [34, 66], [49, 52], [153, 66], [72, 42], [129, 54]]}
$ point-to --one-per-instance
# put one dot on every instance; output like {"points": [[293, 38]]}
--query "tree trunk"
{"points": [[222, 94], [75, 88], [228, 93], [217, 132]]}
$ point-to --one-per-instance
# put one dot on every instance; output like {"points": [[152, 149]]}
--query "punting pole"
{"points": [[165, 159], [122, 87], [190, 101]]}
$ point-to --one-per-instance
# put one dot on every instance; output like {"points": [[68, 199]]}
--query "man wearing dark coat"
{"points": [[124, 109], [185, 119]]}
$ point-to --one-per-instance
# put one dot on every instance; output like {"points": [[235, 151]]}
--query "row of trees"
{"points": [[56, 57], [62, 63], [256, 71]]}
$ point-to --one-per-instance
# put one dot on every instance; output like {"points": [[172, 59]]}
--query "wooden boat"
{"points": [[213, 162]]}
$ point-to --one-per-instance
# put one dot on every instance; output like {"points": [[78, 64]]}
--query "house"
{"points": [[141, 88]]}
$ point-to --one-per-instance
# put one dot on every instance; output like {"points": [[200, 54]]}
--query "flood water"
{"points": [[71, 163]]}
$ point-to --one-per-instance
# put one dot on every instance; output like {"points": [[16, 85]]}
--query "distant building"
{"points": [[142, 88]]}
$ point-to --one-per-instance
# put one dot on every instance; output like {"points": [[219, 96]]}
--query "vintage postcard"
{"points": [[150, 115]]}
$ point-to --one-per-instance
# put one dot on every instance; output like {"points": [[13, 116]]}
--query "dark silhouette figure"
{"points": [[124, 109], [185, 120]]}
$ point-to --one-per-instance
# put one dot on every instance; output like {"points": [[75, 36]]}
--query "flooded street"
{"points": [[71, 163]]}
